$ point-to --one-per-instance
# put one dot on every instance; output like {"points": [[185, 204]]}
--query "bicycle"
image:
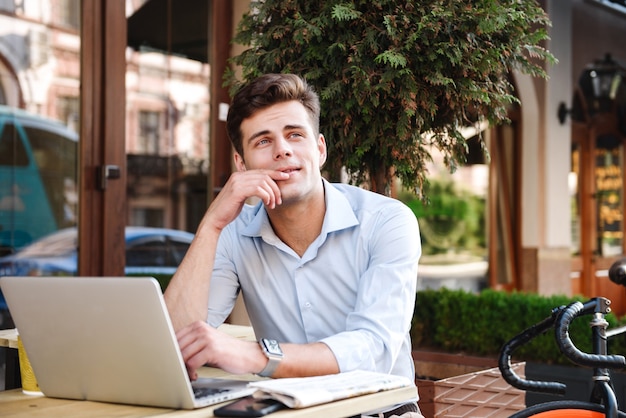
{"points": [[602, 401]]}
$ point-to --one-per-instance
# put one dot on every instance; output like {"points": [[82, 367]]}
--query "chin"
{"points": [[291, 195]]}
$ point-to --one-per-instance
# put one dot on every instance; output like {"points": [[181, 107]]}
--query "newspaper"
{"points": [[301, 392]]}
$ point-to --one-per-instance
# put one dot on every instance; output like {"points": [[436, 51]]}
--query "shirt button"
{"points": [[307, 305]]}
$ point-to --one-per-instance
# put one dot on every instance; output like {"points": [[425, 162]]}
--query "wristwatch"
{"points": [[274, 354]]}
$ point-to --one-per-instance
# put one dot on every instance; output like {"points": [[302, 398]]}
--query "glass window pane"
{"points": [[167, 121], [37, 178], [148, 217], [151, 253], [149, 132], [178, 250], [40, 84], [67, 13], [608, 173], [12, 151]]}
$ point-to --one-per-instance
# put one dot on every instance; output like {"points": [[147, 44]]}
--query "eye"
{"points": [[295, 135]]}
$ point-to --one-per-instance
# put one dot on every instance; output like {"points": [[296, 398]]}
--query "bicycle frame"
{"points": [[602, 392], [560, 319]]}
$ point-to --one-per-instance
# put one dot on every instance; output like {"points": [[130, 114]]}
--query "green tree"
{"points": [[396, 77]]}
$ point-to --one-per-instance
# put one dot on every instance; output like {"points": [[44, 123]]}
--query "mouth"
{"points": [[290, 170]]}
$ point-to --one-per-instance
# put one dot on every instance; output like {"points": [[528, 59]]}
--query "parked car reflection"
{"points": [[154, 252]]}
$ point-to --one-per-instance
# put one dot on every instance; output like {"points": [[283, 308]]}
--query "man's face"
{"points": [[281, 137]]}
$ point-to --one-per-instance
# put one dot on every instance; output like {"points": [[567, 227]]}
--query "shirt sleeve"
{"points": [[377, 331], [224, 287]]}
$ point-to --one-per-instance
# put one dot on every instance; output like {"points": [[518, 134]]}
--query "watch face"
{"points": [[272, 347]]}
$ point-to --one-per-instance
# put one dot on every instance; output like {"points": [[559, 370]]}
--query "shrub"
{"points": [[458, 321], [163, 279]]}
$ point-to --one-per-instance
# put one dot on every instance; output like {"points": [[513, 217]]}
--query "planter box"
{"points": [[477, 391], [478, 394], [434, 365]]}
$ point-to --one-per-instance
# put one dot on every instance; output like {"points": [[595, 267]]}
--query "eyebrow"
{"points": [[266, 131], [292, 127], [256, 135]]}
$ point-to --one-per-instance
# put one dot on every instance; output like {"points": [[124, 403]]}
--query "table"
{"points": [[13, 403]]}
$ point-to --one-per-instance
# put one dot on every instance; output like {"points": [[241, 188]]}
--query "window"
{"points": [[158, 251], [9, 5], [150, 253], [178, 250], [68, 111], [149, 132], [608, 177], [69, 13], [12, 151], [148, 217], [56, 159]]}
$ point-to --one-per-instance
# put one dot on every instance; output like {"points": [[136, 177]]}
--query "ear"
{"points": [[321, 146], [239, 163]]}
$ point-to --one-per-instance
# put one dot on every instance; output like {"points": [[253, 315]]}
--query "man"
{"points": [[327, 271]]}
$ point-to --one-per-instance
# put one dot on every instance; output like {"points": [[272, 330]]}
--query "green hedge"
{"points": [[458, 321], [163, 279]]}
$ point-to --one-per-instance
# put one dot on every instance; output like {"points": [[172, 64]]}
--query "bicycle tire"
{"points": [[564, 409]]}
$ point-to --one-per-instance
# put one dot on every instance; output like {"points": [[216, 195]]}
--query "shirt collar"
{"points": [[339, 215]]}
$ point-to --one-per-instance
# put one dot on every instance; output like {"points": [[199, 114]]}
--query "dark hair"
{"points": [[265, 91]]}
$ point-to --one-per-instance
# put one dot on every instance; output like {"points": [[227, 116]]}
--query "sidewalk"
{"points": [[470, 276]]}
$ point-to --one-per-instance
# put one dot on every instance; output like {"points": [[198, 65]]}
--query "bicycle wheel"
{"points": [[564, 409]]}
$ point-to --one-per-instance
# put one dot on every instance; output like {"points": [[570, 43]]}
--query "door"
{"points": [[597, 190]]}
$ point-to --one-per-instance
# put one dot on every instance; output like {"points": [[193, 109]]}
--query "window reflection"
{"points": [[37, 178], [68, 109], [39, 108], [69, 13], [167, 121], [149, 132], [166, 130]]}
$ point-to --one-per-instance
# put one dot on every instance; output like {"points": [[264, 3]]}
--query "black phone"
{"points": [[248, 407]]}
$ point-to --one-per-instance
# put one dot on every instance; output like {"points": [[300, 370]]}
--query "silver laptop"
{"points": [[107, 339]]}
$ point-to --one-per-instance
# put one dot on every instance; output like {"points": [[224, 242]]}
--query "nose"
{"points": [[282, 148]]}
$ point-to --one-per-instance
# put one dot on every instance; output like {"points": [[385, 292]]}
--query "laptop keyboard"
{"points": [[202, 392]]}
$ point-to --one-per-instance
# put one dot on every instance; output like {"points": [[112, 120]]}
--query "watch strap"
{"points": [[273, 358]]}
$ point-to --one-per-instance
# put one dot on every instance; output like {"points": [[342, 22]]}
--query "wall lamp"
{"points": [[598, 86], [562, 112]]}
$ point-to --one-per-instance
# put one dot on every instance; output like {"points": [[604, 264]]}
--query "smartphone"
{"points": [[248, 407]]}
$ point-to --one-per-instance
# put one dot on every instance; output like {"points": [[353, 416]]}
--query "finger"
{"points": [[276, 189], [186, 335], [269, 194], [272, 188], [195, 356], [193, 375]]}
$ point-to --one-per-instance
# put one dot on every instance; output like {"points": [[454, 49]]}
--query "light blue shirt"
{"points": [[353, 289]]}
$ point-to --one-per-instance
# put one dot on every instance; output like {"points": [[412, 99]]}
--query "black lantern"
{"points": [[601, 89], [600, 84]]}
